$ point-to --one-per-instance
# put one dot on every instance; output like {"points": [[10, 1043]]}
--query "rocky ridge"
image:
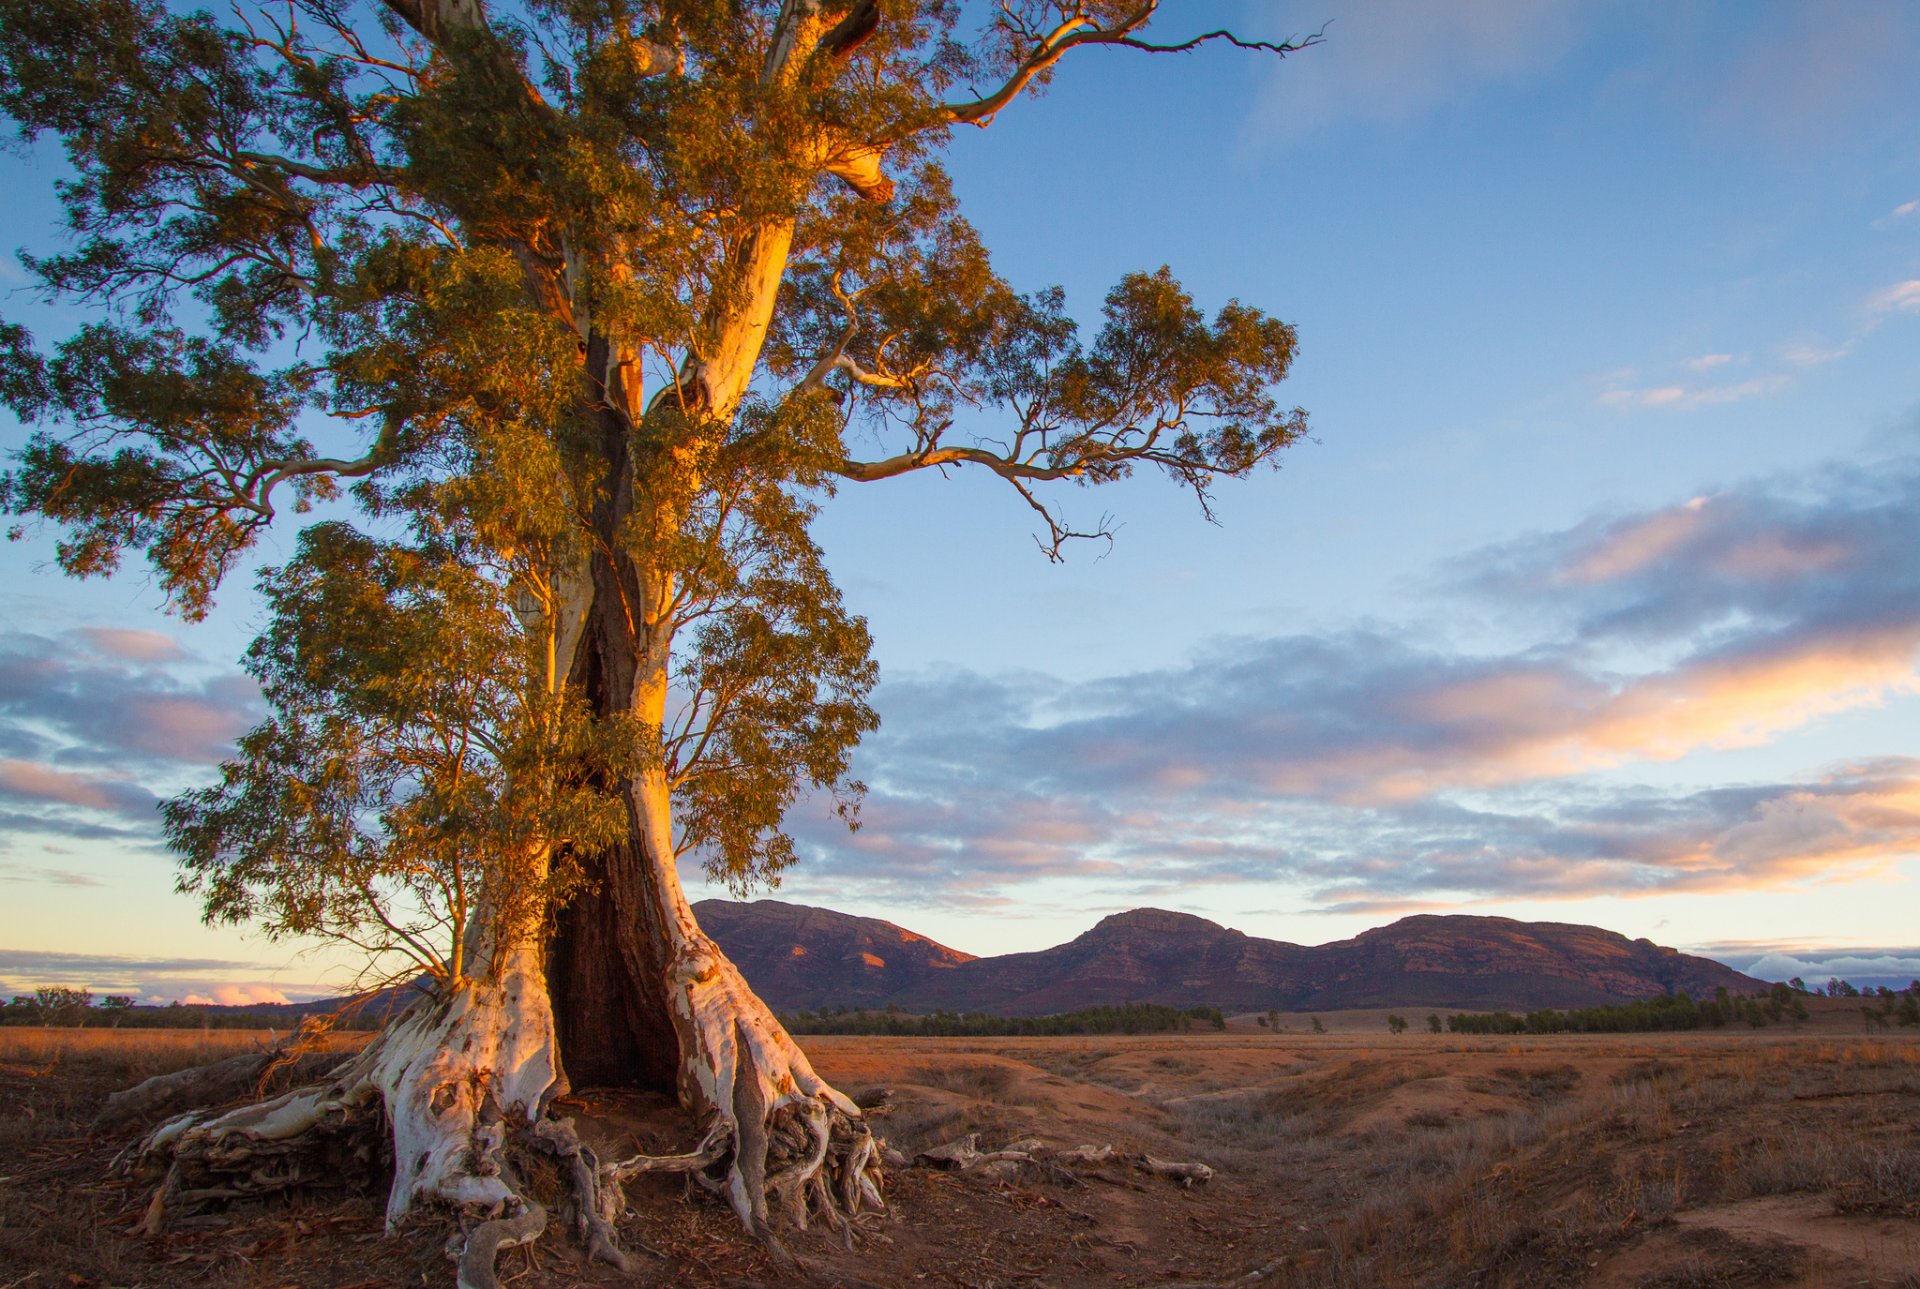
{"points": [[803, 958]]}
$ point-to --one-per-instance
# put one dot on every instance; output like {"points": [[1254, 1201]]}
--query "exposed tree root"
{"points": [[780, 1138], [1029, 1155], [456, 1091], [203, 1085], [450, 1092]]}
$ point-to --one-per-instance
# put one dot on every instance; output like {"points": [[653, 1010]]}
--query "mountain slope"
{"points": [[799, 958]]}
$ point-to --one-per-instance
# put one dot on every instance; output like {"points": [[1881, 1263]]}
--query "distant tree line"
{"points": [[77, 1008], [1675, 1011], [1129, 1018], [1889, 1008]]}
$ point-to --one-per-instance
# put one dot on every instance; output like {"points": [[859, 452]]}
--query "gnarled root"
{"points": [[463, 1079], [806, 1161], [779, 1139]]}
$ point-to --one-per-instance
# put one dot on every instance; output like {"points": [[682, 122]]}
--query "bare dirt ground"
{"points": [[1352, 1158]]}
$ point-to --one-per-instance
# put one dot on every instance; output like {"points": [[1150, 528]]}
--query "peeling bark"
{"points": [[449, 1091]]}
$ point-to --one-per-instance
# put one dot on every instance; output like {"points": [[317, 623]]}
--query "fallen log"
{"points": [[249, 1074], [965, 1156]]}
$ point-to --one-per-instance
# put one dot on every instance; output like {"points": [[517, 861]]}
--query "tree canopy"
{"points": [[545, 284]]}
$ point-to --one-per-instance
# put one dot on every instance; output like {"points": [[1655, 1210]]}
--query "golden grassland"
{"points": [[1727, 1159], [126, 1056]]}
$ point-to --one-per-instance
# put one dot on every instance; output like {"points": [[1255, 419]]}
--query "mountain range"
{"points": [[800, 958]]}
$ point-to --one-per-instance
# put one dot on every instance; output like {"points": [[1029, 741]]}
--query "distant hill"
{"points": [[807, 957], [800, 958]]}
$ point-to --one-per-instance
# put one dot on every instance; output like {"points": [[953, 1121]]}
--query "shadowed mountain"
{"points": [[800, 958]]}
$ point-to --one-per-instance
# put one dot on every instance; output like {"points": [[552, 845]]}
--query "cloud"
{"points": [[1685, 397], [1805, 74], [133, 646], [112, 794], [1390, 63], [1811, 353], [52, 876], [1898, 213], [60, 962], [225, 981], [1380, 768], [1901, 297], [238, 996], [1894, 968], [111, 697], [1707, 362], [97, 723]]}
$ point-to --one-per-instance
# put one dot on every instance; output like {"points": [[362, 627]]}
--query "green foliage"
{"points": [[1901, 1007], [415, 774], [49, 1005], [1128, 1018], [1433, 1022], [591, 304], [1661, 1013], [1397, 1024]]}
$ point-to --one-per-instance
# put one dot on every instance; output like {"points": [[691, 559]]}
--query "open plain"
{"points": [[1727, 1158]]}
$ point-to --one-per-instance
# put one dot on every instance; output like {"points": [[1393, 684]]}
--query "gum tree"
{"points": [[571, 312]]}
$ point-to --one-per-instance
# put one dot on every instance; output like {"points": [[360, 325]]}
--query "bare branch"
{"points": [[1078, 31]]}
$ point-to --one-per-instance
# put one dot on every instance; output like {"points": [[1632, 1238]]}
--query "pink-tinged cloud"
{"points": [[68, 788], [1854, 823], [1733, 702], [132, 646], [1901, 297], [236, 996], [1636, 544]]}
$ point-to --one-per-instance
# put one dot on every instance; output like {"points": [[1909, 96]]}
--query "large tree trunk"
{"points": [[643, 997]]}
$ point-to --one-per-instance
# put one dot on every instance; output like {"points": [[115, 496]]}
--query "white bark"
{"points": [[786, 1135], [459, 1077]]}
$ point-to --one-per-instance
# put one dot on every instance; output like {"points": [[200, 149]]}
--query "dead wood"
{"points": [[250, 1074], [1032, 1155]]}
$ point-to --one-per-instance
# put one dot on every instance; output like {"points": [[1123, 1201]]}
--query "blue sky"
{"points": [[1594, 599]]}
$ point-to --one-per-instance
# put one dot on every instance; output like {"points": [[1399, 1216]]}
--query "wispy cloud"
{"points": [[1690, 396], [110, 793], [1899, 213], [1805, 75], [10, 872], [1388, 64], [1901, 297]]}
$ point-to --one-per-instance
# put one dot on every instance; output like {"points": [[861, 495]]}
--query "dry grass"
{"points": [[136, 1052], [1559, 1169], [1344, 1162]]}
